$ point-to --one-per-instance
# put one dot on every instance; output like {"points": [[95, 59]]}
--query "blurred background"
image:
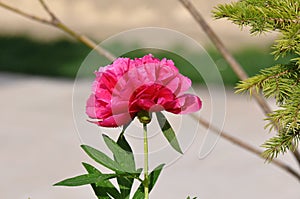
{"points": [[46, 51], [39, 144]]}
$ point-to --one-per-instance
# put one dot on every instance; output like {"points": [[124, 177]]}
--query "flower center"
{"points": [[150, 97]]}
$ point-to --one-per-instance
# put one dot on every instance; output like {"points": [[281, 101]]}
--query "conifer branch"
{"points": [[261, 16], [252, 13], [280, 81], [236, 67]]}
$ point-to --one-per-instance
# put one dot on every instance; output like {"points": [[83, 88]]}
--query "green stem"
{"points": [[146, 175]]}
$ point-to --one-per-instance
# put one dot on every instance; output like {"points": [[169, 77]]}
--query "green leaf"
{"points": [[101, 158], [168, 131], [125, 184], [123, 158], [139, 193], [79, 180], [85, 179], [104, 189], [123, 163], [153, 176], [122, 142]]}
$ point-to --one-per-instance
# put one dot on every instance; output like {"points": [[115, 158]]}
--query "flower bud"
{"points": [[144, 117]]}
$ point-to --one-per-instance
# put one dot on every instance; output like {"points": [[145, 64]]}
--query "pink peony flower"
{"points": [[128, 86]]}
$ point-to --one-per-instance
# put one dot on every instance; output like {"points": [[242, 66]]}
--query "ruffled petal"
{"points": [[96, 109], [189, 103], [115, 120], [127, 86]]}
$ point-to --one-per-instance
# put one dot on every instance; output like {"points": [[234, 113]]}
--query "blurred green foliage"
{"points": [[59, 58], [63, 58]]}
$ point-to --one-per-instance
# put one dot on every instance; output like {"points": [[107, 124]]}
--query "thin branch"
{"points": [[215, 39], [55, 22], [296, 153], [85, 40], [244, 145], [80, 37], [236, 67], [24, 14], [46, 8]]}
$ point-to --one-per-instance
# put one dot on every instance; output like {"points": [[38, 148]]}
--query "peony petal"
{"points": [[145, 104], [115, 120], [169, 63], [91, 107], [150, 70], [164, 75], [119, 107], [174, 85], [185, 84], [189, 103], [103, 95], [96, 110], [125, 87]]}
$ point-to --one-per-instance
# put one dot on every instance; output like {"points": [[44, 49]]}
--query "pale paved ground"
{"points": [[40, 146]]}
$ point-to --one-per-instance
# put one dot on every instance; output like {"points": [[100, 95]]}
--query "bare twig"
{"points": [[46, 8], [244, 145], [87, 41], [296, 153], [236, 67], [24, 14], [55, 22]]}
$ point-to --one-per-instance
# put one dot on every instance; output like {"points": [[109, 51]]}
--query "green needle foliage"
{"points": [[280, 81]]}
